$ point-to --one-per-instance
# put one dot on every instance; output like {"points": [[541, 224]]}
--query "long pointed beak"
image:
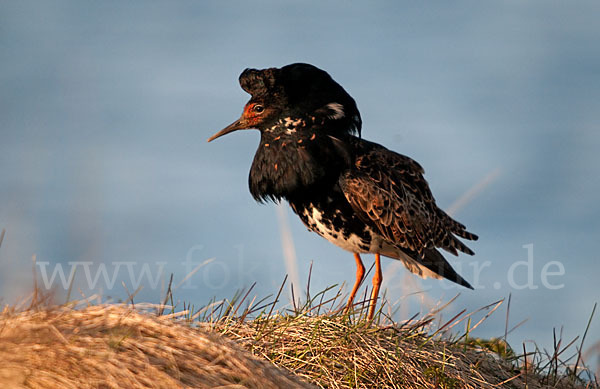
{"points": [[237, 125]]}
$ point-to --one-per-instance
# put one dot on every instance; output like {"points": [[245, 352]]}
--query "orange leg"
{"points": [[377, 279], [360, 273]]}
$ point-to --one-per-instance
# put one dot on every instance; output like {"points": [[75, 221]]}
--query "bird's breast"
{"points": [[279, 171], [291, 163]]}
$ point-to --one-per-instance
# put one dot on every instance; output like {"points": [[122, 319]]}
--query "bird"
{"points": [[355, 193]]}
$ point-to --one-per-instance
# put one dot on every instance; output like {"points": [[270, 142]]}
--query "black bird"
{"points": [[357, 194]]}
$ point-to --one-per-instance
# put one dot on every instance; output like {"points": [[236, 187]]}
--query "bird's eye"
{"points": [[258, 108]]}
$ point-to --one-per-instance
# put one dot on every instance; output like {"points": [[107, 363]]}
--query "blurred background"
{"points": [[105, 108]]}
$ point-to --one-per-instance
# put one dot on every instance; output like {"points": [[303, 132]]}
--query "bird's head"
{"points": [[292, 94]]}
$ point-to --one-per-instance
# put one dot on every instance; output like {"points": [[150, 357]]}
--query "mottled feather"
{"points": [[389, 192]]}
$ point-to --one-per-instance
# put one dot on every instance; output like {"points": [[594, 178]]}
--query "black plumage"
{"points": [[355, 193]]}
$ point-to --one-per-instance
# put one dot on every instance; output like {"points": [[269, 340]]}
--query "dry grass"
{"points": [[117, 346], [340, 351]]}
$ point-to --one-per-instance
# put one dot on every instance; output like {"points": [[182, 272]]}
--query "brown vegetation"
{"points": [[118, 347], [127, 346]]}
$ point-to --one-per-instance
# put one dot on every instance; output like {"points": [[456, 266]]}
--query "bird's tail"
{"points": [[435, 261]]}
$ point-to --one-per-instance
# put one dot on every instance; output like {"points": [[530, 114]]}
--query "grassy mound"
{"points": [[332, 351], [119, 346]]}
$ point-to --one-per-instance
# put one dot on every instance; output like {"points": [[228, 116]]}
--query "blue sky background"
{"points": [[105, 108]]}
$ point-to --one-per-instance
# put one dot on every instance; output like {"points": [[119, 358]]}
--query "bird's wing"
{"points": [[388, 191]]}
